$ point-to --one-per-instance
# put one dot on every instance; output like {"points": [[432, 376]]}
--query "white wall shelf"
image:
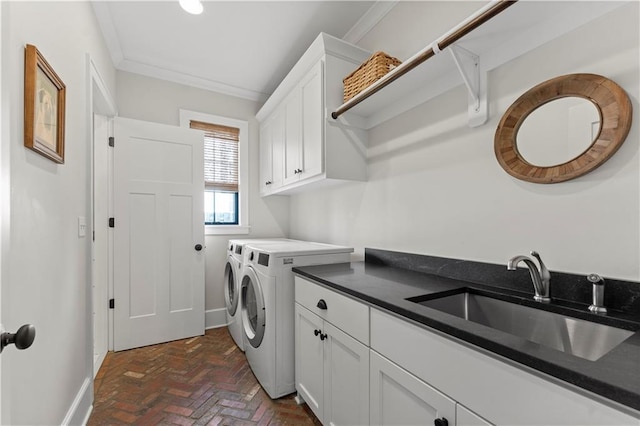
{"points": [[515, 31]]}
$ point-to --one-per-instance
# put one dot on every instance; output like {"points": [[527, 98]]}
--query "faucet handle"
{"points": [[544, 272]]}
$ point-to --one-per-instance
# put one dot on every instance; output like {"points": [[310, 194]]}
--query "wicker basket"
{"points": [[369, 72]]}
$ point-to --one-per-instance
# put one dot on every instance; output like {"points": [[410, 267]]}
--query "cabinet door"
{"points": [[292, 137], [277, 146], [398, 397], [464, 417], [346, 379], [311, 90], [309, 359], [266, 158]]}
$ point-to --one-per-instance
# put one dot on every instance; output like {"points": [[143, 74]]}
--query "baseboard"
{"points": [[215, 318], [86, 419], [97, 363], [81, 407]]}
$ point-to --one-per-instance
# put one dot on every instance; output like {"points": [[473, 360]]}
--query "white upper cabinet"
{"points": [[303, 139], [292, 137], [310, 149], [271, 149], [310, 157]]}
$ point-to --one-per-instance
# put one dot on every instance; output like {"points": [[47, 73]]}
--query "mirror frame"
{"points": [[613, 105]]}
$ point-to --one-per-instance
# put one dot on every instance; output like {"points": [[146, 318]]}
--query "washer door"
{"points": [[231, 292], [253, 314]]}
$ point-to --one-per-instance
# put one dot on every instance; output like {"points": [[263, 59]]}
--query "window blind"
{"points": [[220, 155]]}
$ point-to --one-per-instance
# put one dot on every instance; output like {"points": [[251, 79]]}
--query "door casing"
{"points": [[101, 103]]}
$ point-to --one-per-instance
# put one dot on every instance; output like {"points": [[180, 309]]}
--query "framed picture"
{"points": [[44, 107]]}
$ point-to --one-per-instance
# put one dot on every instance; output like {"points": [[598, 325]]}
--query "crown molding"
{"points": [[190, 80], [369, 20], [105, 21]]}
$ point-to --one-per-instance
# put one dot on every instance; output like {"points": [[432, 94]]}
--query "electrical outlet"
{"points": [[82, 226]]}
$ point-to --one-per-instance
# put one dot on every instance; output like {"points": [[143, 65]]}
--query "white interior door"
{"points": [[158, 234]]}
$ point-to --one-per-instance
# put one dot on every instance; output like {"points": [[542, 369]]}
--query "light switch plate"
{"points": [[82, 226]]}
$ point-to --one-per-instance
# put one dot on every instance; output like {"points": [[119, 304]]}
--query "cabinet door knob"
{"points": [[441, 422], [268, 182], [324, 336], [316, 332], [322, 304]]}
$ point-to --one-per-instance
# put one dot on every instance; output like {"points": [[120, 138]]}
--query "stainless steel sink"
{"points": [[578, 337]]}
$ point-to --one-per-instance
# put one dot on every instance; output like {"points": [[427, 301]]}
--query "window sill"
{"points": [[226, 229]]}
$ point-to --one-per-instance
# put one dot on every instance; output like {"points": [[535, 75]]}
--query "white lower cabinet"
{"points": [[309, 360], [493, 388], [358, 366], [464, 417], [400, 398], [346, 379], [332, 371], [332, 367]]}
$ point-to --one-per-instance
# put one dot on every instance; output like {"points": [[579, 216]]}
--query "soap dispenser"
{"points": [[597, 305]]}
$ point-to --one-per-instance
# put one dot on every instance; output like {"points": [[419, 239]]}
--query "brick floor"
{"points": [[199, 381]]}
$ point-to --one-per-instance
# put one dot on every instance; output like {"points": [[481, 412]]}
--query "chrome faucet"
{"points": [[597, 307], [540, 277]]}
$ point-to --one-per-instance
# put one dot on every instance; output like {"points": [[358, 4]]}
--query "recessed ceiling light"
{"points": [[194, 7]]}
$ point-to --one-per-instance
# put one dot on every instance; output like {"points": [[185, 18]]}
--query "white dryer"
{"points": [[268, 313], [232, 276]]}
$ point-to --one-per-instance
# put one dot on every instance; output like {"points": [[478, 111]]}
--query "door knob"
{"points": [[198, 247], [441, 422], [23, 338]]}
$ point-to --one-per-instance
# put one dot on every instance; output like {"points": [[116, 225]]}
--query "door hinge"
{"points": [[112, 303], [112, 222], [112, 141]]}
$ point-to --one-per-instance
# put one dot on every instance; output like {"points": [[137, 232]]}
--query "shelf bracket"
{"points": [[475, 79]]}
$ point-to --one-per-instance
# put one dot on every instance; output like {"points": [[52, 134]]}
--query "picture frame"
{"points": [[44, 107]]}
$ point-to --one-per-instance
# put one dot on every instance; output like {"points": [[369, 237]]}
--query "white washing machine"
{"points": [[267, 301], [232, 276]]}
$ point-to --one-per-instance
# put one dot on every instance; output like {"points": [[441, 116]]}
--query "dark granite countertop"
{"points": [[615, 376]]}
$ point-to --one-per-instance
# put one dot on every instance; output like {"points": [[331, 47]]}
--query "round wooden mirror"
{"points": [[612, 104]]}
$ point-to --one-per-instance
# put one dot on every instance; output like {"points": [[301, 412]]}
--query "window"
{"points": [[220, 207], [225, 171], [220, 173]]}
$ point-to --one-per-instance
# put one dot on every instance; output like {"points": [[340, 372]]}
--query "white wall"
{"points": [[436, 188], [46, 266], [149, 99]]}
